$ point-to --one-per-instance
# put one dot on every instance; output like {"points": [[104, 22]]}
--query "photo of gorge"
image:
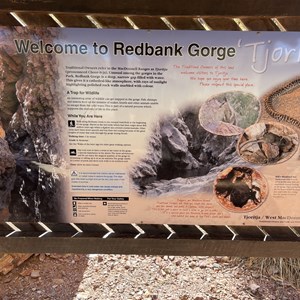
{"points": [[31, 130], [183, 157]]}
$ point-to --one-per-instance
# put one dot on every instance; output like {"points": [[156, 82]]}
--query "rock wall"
{"points": [[148, 166], [31, 106], [11, 66], [7, 180], [176, 141], [32, 128], [37, 194], [7, 160]]}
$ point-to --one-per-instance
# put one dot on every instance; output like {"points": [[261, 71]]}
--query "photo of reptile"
{"points": [[271, 98]]}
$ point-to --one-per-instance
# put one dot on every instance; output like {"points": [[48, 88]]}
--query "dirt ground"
{"points": [[132, 277]]}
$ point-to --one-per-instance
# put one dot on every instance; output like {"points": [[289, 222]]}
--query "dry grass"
{"points": [[286, 270]]}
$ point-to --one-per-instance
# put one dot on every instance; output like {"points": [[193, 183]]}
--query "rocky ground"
{"points": [[120, 277]]}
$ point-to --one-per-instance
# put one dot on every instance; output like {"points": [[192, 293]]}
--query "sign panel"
{"points": [[123, 126]]}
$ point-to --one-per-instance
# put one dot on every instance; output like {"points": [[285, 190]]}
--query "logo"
{"points": [[71, 123], [73, 152], [74, 205]]}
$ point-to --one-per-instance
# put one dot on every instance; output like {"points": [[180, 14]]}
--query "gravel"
{"points": [[132, 277]]}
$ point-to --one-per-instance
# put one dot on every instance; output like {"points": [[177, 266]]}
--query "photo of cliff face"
{"points": [[32, 129], [182, 157]]}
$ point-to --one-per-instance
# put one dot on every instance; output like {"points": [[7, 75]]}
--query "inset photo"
{"points": [[229, 113], [240, 189], [267, 143]]}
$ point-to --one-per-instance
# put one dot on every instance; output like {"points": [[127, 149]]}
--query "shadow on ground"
{"points": [[43, 276]]}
